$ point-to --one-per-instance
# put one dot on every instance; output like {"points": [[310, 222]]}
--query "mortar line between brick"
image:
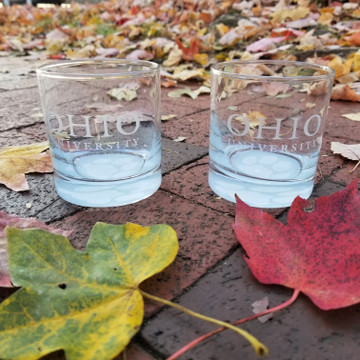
{"points": [[148, 347], [71, 213], [194, 112], [231, 251], [185, 164], [22, 126], [21, 88]]}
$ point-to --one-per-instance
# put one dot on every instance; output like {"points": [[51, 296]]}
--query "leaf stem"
{"points": [[193, 343], [355, 167], [259, 348]]}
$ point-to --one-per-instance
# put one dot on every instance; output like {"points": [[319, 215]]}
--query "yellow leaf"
{"points": [[174, 57], [339, 67], [168, 117], [155, 30], [122, 94], [294, 14], [325, 18], [135, 31], [222, 29], [356, 13], [184, 75], [86, 52], [187, 91], [356, 59], [16, 161], [254, 118], [87, 303], [202, 59]]}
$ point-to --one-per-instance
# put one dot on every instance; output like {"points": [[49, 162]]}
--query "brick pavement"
{"points": [[209, 274]]}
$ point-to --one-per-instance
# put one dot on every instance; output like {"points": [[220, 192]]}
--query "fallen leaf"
{"points": [[253, 118], [16, 161], [189, 52], [37, 115], [351, 152], [309, 105], [230, 38], [109, 52], [180, 139], [302, 23], [166, 83], [202, 59], [325, 18], [122, 94], [352, 116], [56, 35], [348, 78], [344, 92], [168, 117], [184, 75], [139, 55], [293, 14], [357, 61], [187, 91], [339, 67], [83, 53], [354, 39], [273, 88], [260, 306], [264, 44], [21, 223], [314, 253], [87, 303], [174, 57]]}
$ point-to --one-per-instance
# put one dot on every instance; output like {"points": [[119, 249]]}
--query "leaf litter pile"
{"points": [[186, 37]]}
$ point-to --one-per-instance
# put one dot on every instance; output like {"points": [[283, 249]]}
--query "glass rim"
{"points": [[216, 69], [57, 69]]}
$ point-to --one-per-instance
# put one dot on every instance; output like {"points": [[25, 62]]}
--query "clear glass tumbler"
{"points": [[266, 128], [103, 124]]}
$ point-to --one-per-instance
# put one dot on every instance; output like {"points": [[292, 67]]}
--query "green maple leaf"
{"points": [[86, 303]]}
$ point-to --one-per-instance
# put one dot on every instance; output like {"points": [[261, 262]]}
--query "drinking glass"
{"points": [[266, 128], [102, 120]]}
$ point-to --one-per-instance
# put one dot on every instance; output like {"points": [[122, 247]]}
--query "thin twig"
{"points": [[241, 321], [259, 348]]}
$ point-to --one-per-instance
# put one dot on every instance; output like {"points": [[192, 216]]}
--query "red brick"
{"points": [[340, 127], [194, 127], [328, 161], [205, 236], [14, 114], [346, 174], [191, 182]]}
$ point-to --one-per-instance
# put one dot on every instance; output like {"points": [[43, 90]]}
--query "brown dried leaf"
{"points": [[16, 161], [344, 92]]}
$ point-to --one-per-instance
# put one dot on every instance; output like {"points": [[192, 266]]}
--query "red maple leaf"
{"points": [[189, 52], [317, 252]]}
